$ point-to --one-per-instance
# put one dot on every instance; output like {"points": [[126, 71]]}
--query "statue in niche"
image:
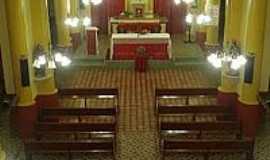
{"points": [[139, 12]]}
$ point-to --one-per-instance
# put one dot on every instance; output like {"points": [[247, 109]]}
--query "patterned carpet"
{"points": [[137, 138]]}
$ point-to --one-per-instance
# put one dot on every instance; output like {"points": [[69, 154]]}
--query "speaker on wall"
{"points": [[249, 69], [25, 79]]}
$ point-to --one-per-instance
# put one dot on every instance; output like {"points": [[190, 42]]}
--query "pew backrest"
{"points": [[75, 127]]}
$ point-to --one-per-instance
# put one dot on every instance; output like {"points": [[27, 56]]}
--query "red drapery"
{"points": [[108, 8], [175, 14]]}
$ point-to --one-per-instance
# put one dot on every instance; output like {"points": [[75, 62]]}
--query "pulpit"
{"points": [[92, 40]]}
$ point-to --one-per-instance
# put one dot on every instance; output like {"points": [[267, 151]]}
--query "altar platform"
{"points": [[124, 45]]}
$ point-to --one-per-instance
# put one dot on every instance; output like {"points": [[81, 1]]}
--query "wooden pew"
{"points": [[54, 112], [69, 147], [187, 93], [171, 128], [222, 113], [84, 93], [206, 147], [97, 134]]}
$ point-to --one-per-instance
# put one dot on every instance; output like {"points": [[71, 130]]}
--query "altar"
{"points": [[124, 45], [137, 24]]}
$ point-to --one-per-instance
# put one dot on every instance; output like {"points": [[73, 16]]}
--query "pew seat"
{"points": [[69, 147], [208, 147]]}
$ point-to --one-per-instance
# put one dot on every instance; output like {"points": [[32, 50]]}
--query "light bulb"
{"points": [[189, 18], [242, 59], [42, 60], [65, 61], [74, 22], [96, 2], [36, 64], [235, 65], [86, 21], [51, 64], [200, 19], [177, 2], [86, 2], [58, 57], [188, 1], [217, 63], [68, 21], [203, 19], [207, 19]]}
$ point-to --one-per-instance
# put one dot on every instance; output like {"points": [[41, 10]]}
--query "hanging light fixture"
{"points": [[185, 1], [94, 2], [189, 19], [49, 60], [203, 19], [232, 57]]}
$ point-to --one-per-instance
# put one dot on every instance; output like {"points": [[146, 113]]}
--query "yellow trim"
{"points": [[26, 104], [251, 103], [2, 155], [48, 93]]}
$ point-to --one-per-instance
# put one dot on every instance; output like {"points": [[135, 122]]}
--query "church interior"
{"points": [[134, 79]]}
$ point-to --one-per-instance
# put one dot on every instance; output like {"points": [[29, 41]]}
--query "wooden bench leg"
{"points": [[28, 156], [249, 156], [69, 156], [206, 156]]}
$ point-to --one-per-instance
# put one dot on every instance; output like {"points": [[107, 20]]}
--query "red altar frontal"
{"points": [[157, 46]]}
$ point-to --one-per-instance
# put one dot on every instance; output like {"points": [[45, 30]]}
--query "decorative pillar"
{"points": [[229, 84], [75, 32], [201, 29], [46, 89], [2, 153], [212, 9], [253, 31], [20, 36], [265, 73], [61, 11], [5, 51]]}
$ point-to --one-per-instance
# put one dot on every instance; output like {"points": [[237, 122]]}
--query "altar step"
{"points": [[99, 61]]}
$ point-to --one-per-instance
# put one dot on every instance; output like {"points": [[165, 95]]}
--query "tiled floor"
{"points": [[137, 137]]}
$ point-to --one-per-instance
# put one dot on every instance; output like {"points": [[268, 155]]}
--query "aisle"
{"points": [[137, 135]]}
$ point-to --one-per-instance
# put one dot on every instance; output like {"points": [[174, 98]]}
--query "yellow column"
{"points": [[265, 73], [126, 5], [151, 6], [253, 28], [20, 36], [74, 9], [5, 51], [235, 16], [212, 29], [2, 154], [41, 35], [232, 33], [201, 5], [61, 12]]}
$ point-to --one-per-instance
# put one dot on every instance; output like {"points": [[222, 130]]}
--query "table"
{"points": [[124, 45]]}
